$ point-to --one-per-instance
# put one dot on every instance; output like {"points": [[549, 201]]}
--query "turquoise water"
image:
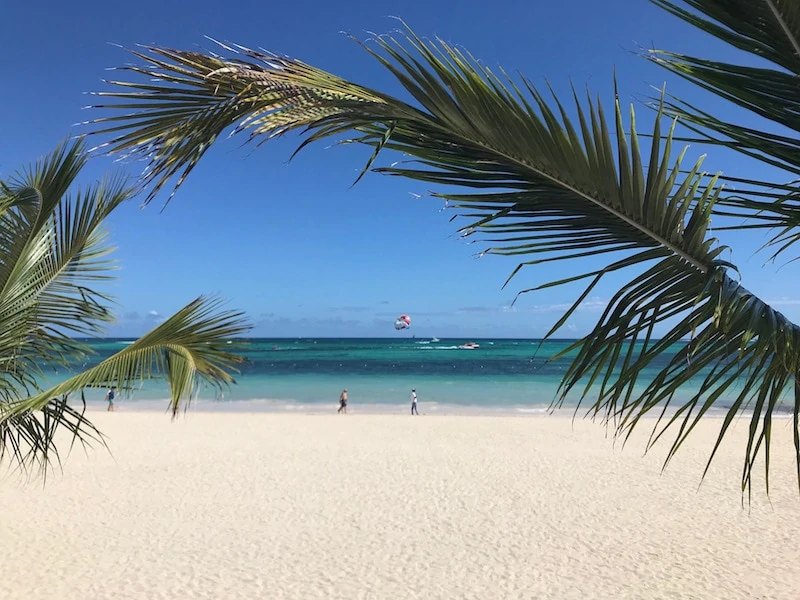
{"points": [[500, 373]]}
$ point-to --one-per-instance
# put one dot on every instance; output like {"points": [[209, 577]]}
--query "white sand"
{"points": [[240, 505]]}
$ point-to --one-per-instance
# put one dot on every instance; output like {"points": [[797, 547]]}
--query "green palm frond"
{"points": [[190, 349], [28, 438], [201, 96], [543, 184], [53, 248], [53, 251], [769, 30]]}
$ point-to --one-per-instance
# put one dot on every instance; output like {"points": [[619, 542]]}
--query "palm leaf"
{"points": [[52, 253], [52, 249], [540, 184], [28, 438], [190, 349], [769, 30]]}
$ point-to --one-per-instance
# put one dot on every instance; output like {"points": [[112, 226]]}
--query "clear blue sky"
{"points": [[292, 244]]}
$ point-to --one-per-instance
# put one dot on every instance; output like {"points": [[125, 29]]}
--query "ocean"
{"points": [[309, 374]]}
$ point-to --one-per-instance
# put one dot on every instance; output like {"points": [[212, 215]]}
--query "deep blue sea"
{"points": [[310, 373]]}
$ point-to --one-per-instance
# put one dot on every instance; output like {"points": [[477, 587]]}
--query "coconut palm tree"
{"points": [[53, 254], [542, 179]]}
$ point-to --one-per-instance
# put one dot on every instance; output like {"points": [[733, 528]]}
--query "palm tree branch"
{"points": [[405, 122], [767, 29], [52, 248], [188, 349], [535, 173]]}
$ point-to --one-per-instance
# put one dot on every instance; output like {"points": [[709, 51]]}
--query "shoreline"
{"points": [[259, 406], [265, 406]]}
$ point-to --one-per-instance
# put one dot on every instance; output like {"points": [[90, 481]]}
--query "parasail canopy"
{"points": [[402, 322]]}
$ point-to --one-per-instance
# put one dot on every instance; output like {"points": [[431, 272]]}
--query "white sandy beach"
{"points": [[237, 505]]}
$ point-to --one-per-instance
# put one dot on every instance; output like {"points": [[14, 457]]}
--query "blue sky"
{"points": [[293, 244]]}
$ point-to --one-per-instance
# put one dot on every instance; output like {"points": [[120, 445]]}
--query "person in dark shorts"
{"points": [[414, 410], [343, 402]]}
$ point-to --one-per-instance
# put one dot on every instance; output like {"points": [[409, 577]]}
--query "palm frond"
{"points": [[542, 184], [53, 248], [28, 438], [199, 96], [769, 30], [52, 253], [190, 349]]}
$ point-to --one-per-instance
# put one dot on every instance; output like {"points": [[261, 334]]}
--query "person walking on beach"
{"points": [[343, 402], [414, 402], [110, 397]]}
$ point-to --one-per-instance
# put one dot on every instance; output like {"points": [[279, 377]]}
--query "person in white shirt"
{"points": [[414, 403]]}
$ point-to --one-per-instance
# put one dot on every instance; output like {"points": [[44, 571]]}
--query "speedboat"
{"points": [[469, 346]]}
